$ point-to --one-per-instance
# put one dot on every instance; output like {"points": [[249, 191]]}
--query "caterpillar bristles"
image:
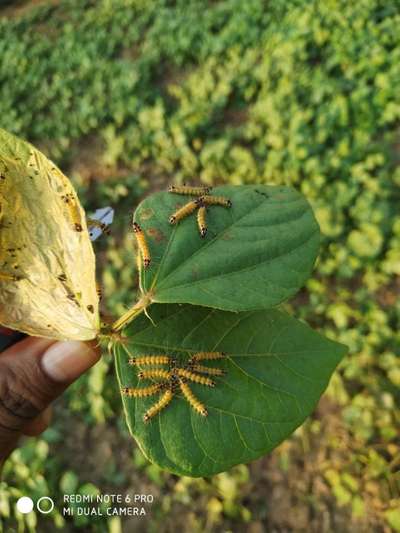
{"points": [[191, 398], [183, 212], [196, 378], [156, 373], [134, 392], [207, 356], [215, 200], [99, 290], [201, 221], [159, 406], [191, 191], [142, 244], [73, 210], [207, 370], [150, 360]]}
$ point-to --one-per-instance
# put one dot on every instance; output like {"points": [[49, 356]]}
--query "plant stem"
{"points": [[139, 307]]}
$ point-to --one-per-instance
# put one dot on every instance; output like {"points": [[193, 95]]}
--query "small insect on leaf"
{"points": [[192, 376], [191, 191], [208, 370], [74, 211], [208, 356], [99, 222], [9, 277], [134, 392], [183, 212], [142, 244], [159, 406], [43, 234], [216, 200], [191, 398], [150, 360], [201, 221], [156, 373]]}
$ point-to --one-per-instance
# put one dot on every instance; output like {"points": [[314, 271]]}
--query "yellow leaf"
{"points": [[47, 264]]}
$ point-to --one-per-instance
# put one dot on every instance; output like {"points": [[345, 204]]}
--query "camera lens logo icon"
{"points": [[44, 505]]}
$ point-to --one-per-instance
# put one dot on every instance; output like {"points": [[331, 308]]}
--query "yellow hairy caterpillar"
{"points": [[201, 221], [188, 374], [73, 210], [191, 191], [155, 373], [142, 244], [207, 370], [150, 360], [99, 291], [184, 211], [215, 200], [93, 223], [158, 406], [134, 392], [9, 277], [207, 356], [191, 398]]}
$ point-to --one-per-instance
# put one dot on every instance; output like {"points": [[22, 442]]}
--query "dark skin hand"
{"points": [[33, 373]]}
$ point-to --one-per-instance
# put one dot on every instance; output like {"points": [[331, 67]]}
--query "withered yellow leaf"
{"points": [[47, 263]]}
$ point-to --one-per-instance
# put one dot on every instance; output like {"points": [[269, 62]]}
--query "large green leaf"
{"points": [[256, 254], [277, 368]]}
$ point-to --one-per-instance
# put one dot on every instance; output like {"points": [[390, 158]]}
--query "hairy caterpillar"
{"points": [[73, 210], [150, 360], [201, 221], [191, 398], [158, 406], [188, 374], [206, 370], [184, 211], [207, 356], [142, 244], [99, 291], [215, 200], [156, 373], [192, 191], [134, 392], [9, 277], [93, 223]]}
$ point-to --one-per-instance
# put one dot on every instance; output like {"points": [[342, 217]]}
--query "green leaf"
{"points": [[277, 368], [255, 255]]}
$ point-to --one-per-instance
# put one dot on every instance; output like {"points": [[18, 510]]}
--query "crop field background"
{"points": [[127, 96]]}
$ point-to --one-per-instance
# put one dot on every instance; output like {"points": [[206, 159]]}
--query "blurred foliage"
{"points": [[128, 95]]}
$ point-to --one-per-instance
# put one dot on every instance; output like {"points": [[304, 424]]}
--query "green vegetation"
{"points": [[130, 95]]}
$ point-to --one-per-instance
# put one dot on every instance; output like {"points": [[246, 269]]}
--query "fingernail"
{"points": [[65, 361]]}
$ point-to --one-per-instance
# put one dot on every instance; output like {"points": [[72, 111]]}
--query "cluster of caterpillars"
{"points": [[177, 377], [203, 200]]}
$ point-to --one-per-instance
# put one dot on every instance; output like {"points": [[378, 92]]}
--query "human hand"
{"points": [[33, 373]]}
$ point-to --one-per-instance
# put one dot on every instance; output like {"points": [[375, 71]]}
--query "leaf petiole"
{"points": [[139, 307]]}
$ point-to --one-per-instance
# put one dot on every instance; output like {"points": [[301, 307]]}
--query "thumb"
{"points": [[33, 373]]}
